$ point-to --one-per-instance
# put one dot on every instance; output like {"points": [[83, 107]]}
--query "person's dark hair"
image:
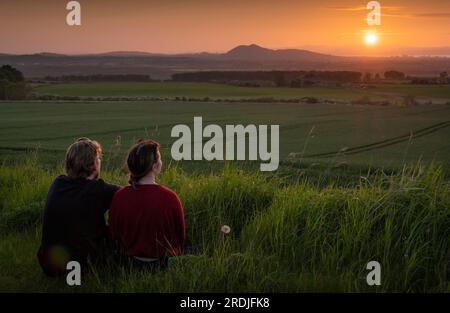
{"points": [[81, 157], [141, 158]]}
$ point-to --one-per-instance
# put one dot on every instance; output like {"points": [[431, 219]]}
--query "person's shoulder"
{"points": [[121, 196], [60, 180], [123, 192], [99, 182], [169, 193], [99, 185], [167, 190], [102, 184], [57, 183], [124, 189]]}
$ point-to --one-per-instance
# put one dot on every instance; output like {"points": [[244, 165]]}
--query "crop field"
{"points": [[422, 91], [288, 234], [200, 90], [361, 135], [175, 89]]}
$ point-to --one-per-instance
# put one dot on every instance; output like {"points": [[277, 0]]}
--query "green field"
{"points": [[305, 129], [357, 183], [424, 91], [199, 90], [221, 91]]}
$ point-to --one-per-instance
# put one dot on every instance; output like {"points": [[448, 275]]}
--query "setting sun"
{"points": [[371, 38]]}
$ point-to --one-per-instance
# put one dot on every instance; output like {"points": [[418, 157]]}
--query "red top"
{"points": [[147, 221]]}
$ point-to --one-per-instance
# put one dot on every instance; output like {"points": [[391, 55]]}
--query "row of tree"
{"points": [[12, 84], [443, 79], [279, 78], [287, 78], [100, 78]]}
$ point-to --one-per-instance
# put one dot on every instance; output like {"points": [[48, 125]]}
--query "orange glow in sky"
{"points": [[177, 26]]}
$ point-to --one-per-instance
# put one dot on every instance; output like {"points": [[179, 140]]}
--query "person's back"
{"points": [[73, 226], [146, 219]]}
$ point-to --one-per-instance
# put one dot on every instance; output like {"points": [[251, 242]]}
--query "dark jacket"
{"points": [[74, 226]]}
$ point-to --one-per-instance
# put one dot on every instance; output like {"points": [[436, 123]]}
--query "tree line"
{"points": [[12, 84], [302, 78], [100, 78], [279, 78]]}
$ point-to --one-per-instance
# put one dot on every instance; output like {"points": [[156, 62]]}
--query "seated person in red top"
{"points": [[146, 219]]}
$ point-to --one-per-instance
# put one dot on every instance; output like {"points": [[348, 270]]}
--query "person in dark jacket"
{"points": [[74, 227]]}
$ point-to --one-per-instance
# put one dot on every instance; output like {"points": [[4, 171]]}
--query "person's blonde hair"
{"points": [[81, 157]]}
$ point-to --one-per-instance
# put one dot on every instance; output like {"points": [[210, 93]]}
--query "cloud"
{"points": [[393, 11], [354, 8], [434, 15], [420, 15], [363, 8]]}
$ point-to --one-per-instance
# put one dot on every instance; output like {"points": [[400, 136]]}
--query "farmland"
{"points": [[201, 90], [385, 196], [307, 131]]}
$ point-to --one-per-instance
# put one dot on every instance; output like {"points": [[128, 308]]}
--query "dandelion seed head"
{"points": [[225, 229]]}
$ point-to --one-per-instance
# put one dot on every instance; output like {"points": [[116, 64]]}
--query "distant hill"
{"points": [[48, 54], [255, 52], [126, 54], [242, 52], [241, 58]]}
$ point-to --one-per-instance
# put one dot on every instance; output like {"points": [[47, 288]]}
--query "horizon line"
{"points": [[307, 48]]}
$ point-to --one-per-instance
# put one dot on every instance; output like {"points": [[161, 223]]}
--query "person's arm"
{"points": [[180, 228], [112, 220], [110, 189], [107, 191]]}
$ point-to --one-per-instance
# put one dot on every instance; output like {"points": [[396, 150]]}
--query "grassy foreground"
{"points": [[284, 236]]}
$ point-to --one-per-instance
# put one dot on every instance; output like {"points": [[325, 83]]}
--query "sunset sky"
{"points": [[173, 26]]}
